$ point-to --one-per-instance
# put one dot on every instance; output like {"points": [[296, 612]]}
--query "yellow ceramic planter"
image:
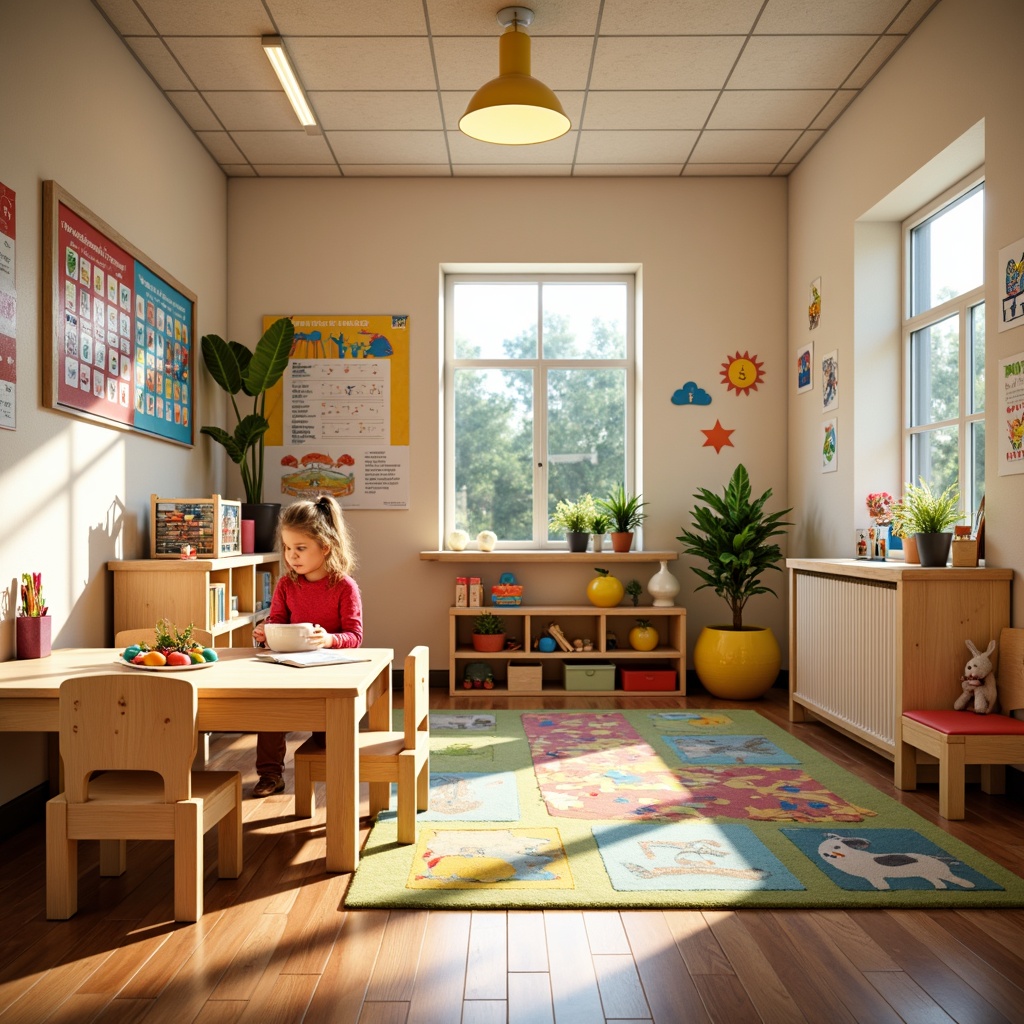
{"points": [[737, 664]]}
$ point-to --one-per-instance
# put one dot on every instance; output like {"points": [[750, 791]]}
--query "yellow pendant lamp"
{"points": [[514, 109]]}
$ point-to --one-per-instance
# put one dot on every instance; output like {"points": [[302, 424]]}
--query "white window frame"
{"points": [[539, 366], [961, 307]]}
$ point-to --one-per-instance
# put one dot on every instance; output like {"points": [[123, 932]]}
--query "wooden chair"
{"points": [[139, 731], [960, 738], [384, 757], [147, 635]]}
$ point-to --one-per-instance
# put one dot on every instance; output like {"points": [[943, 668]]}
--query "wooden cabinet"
{"points": [[598, 625], [868, 640], [149, 589]]}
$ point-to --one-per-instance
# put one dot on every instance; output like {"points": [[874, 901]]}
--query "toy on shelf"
{"points": [[506, 591], [978, 681], [478, 675]]}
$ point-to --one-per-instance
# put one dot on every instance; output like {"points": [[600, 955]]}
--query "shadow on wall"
{"points": [[105, 544]]}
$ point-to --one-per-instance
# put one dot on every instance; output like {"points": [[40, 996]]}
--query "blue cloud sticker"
{"points": [[690, 394]]}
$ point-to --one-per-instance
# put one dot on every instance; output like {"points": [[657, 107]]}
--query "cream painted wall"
{"points": [[713, 259], [950, 75], [78, 109]]}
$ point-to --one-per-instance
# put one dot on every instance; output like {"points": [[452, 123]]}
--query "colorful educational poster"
{"points": [[1011, 263], [805, 368], [339, 419], [829, 381], [1011, 415], [830, 445], [8, 309]]}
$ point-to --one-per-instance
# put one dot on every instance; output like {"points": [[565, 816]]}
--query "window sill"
{"points": [[511, 555]]}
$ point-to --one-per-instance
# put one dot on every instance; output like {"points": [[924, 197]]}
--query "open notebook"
{"points": [[307, 659]]}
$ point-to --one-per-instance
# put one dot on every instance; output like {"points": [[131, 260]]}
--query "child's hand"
{"points": [[259, 634], [319, 637]]}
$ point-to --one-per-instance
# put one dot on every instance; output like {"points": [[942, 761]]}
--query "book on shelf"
{"points": [[218, 602]]}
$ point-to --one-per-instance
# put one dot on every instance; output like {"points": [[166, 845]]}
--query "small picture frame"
{"points": [[860, 543], [805, 368]]}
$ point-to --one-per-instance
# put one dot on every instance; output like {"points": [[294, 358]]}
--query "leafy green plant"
{"points": [[488, 624], [921, 511], [600, 524], [236, 369], [731, 534], [634, 590], [574, 516], [623, 509]]}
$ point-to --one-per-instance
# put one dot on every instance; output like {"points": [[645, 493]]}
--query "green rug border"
{"points": [[383, 860]]}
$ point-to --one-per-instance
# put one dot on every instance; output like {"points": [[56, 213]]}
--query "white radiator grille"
{"points": [[846, 650]]}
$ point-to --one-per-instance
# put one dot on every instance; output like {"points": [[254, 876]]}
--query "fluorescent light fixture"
{"points": [[514, 109], [273, 46]]}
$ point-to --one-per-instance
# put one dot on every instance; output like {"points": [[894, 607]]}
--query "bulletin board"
{"points": [[118, 331]]}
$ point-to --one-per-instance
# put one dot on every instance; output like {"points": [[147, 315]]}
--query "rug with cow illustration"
{"points": [[658, 808]]}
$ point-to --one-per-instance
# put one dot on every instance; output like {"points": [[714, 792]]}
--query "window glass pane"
{"points": [[935, 372], [946, 252], [584, 321], [935, 458], [977, 477], [495, 321], [977, 315], [586, 433], [494, 452]]}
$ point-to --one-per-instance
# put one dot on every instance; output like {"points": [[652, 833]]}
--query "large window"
{"points": [[944, 336], [538, 398]]}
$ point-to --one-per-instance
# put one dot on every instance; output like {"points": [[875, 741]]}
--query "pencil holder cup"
{"points": [[32, 636]]}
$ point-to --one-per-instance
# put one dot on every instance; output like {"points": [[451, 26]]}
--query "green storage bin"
{"points": [[589, 675]]}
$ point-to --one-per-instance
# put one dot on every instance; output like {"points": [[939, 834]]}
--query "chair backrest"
{"points": [[128, 721], [416, 694], [147, 635], [1010, 673]]}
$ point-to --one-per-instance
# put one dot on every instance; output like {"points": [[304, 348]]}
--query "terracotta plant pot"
{"points": [[489, 643], [910, 555], [622, 542]]}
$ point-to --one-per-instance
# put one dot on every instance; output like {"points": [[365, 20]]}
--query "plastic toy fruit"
{"points": [[130, 652], [604, 590], [178, 658], [643, 636], [209, 654], [153, 658]]}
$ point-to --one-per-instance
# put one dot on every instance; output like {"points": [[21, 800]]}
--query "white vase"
{"points": [[598, 541], [663, 586]]}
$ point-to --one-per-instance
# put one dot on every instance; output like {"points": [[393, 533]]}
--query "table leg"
{"points": [[378, 712], [343, 791]]}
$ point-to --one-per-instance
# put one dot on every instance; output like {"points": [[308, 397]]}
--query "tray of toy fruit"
{"points": [[171, 651]]}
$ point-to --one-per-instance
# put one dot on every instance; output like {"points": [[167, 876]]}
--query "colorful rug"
{"points": [[655, 808]]}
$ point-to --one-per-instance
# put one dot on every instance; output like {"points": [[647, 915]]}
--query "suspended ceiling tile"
{"points": [[218, 63], [664, 62], [554, 17], [678, 17], [802, 147], [369, 111], [776, 108], [455, 103], [207, 17], [361, 64], [298, 171], [197, 113], [294, 147], [839, 102], [727, 170], [512, 170], [126, 17], [465, 150], [389, 147], [396, 170], [467, 62], [798, 62], [875, 58], [159, 62], [760, 146], [797, 17], [221, 147], [253, 111], [642, 109], [348, 17], [911, 15], [655, 147], [627, 170]]}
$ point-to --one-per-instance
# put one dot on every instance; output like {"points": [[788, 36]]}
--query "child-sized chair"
{"points": [[959, 738], [139, 732], [384, 757]]}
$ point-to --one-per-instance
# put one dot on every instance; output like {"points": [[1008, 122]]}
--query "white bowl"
{"points": [[288, 636]]}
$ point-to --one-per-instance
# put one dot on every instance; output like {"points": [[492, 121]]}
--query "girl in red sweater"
{"points": [[317, 588]]}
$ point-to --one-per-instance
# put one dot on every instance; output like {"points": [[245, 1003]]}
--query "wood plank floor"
{"points": [[277, 945]]}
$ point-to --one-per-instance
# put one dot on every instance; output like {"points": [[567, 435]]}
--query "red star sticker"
{"points": [[717, 437]]}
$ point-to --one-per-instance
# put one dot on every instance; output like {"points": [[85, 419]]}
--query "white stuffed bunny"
{"points": [[978, 681]]}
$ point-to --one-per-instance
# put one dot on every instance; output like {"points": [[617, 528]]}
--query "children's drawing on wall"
{"points": [[830, 446], [717, 437], [690, 394], [1012, 303], [1011, 408], [742, 373], [804, 368], [829, 381], [814, 307]]}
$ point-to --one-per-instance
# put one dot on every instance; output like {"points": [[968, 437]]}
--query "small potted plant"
{"points": [[927, 517], [625, 512], [488, 633], [598, 528], [900, 527], [576, 519]]}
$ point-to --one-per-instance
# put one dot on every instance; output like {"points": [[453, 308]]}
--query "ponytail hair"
{"points": [[322, 519]]}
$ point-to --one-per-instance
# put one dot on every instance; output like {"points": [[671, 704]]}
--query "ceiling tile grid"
{"points": [[653, 88]]}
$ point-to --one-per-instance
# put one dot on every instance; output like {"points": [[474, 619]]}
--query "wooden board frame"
{"points": [[119, 332]]}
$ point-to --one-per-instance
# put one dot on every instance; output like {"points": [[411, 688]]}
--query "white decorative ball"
{"points": [[486, 539], [457, 540]]}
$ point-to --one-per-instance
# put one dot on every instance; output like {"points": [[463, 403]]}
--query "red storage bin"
{"points": [[645, 678]]}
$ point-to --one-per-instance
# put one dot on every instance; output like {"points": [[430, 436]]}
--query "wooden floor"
{"points": [[277, 946]]}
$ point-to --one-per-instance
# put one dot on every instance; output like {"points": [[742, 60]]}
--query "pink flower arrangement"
{"points": [[880, 507]]}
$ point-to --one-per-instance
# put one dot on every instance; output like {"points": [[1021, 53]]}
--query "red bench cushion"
{"points": [[967, 723]]}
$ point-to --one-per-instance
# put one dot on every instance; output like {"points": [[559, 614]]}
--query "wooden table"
{"points": [[240, 694]]}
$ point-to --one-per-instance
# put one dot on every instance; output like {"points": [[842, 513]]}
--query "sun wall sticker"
{"points": [[742, 373]]}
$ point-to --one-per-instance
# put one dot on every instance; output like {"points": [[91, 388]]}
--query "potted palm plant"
{"points": [[237, 370], [927, 517], [625, 512], [576, 519], [732, 535]]}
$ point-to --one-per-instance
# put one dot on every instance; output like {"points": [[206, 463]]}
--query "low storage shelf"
{"points": [[524, 623]]}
